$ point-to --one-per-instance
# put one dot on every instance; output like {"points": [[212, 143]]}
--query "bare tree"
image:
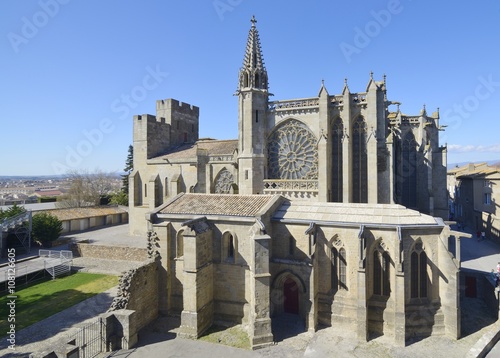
{"points": [[87, 188]]}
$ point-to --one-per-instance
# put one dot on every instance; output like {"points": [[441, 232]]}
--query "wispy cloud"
{"points": [[495, 148]]}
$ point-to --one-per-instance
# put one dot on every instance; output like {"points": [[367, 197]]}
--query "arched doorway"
{"points": [[288, 303], [290, 296]]}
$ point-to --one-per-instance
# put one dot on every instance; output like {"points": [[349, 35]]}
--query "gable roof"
{"points": [[211, 147], [474, 170], [85, 212], [217, 204]]}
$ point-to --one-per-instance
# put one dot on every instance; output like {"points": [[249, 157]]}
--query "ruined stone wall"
{"points": [[82, 249], [138, 291]]}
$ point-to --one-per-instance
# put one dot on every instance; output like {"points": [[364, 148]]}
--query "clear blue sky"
{"points": [[68, 67]]}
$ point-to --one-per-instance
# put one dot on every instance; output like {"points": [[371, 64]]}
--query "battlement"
{"points": [[175, 106], [148, 118]]}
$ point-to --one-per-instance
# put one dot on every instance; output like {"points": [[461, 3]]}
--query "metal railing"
{"points": [[91, 339], [56, 263]]}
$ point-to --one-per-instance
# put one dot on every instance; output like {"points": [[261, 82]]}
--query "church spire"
{"points": [[253, 74]]}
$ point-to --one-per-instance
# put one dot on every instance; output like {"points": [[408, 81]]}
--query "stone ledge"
{"points": [[486, 342]]}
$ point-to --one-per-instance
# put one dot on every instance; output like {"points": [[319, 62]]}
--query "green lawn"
{"points": [[42, 300], [232, 336]]}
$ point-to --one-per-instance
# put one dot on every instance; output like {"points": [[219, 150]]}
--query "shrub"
{"points": [[14, 210], [46, 227], [119, 198]]}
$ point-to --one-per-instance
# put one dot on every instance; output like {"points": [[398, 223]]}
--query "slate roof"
{"points": [[86, 212], [212, 147], [388, 214], [217, 204]]}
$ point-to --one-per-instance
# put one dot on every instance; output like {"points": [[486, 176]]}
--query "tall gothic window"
{"points": [[409, 171], [359, 162], [293, 152], [337, 175], [419, 277], [229, 248], [338, 269], [137, 189], [381, 273], [180, 244]]}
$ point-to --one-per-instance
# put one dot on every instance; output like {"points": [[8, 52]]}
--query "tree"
{"points": [[14, 210], [129, 167], [46, 227], [87, 189], [119, 198]]}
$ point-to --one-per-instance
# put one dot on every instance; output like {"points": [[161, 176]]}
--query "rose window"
{"points": [[293, 152], [223, 182]]}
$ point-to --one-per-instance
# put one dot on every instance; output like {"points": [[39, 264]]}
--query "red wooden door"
{"points": [[291, 297]]}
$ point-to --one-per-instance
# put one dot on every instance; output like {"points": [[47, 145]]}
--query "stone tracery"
{"points": [[293, 152], [223, 182]]}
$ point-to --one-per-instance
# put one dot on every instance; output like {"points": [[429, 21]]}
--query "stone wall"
{"points": [[138, 291], [83, 249]]}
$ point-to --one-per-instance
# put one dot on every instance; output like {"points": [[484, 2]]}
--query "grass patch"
{"points": [[44, 299], [233, 336]]}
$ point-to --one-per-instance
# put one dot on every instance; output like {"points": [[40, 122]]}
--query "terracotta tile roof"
{"points": [[474, 170], [48, 192], [388, 214], [217, 204], [212, 147], [82, 213], [219, 147]]}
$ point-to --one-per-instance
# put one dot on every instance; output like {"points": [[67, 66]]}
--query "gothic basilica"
{"points": [[329, 208]]}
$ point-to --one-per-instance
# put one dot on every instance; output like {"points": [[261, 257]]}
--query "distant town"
{"points": [[22, 190]]}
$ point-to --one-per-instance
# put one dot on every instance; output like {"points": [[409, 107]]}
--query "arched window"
{"points": [[337, 175], [381, 273], [419, 276], [223, 182], [338, 269], [409, 171], [137, 189], [158, 192], [229, 247], [359, 162], [180, 244]]}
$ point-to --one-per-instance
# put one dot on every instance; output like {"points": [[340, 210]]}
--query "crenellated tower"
{"points": [[253, 102]]}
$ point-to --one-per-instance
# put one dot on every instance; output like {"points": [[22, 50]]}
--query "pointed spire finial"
{"points": [[253, 74], [322, 82], [371, 75], [423, 111], [345, 81], [253, 20]]}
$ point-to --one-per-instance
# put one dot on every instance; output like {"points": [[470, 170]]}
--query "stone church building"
{"points": [[326, 207]]}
